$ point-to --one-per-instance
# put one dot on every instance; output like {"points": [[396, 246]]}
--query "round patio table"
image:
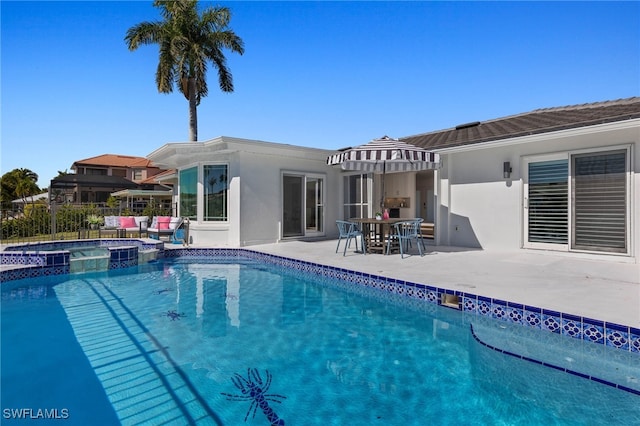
{"points": [[376, 232]]}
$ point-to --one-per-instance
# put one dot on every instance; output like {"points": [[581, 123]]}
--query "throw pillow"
{"points": [[141, 220], [111, 222], [128, 222], [163, 222]]}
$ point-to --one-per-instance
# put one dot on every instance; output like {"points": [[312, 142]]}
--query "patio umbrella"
{"points": [[385, 155]]}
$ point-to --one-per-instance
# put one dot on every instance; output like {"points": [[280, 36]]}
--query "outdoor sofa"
{"points": [[121, 226], [163, 226]]}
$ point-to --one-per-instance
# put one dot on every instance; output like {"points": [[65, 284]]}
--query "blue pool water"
{"points": [[179, 341]]}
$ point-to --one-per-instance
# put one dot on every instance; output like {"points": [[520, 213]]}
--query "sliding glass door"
{"points": [[356, 196], [292, 206], [302, 205], [600, 201], [577, 201]]}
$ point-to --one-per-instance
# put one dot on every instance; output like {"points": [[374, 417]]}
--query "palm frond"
{"points": [[165, 73], [143, 33]]}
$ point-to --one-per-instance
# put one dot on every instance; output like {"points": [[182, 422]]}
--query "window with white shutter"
{"points": [[600, 201], [578, 201], [548, 202]]}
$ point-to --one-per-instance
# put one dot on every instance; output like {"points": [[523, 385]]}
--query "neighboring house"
{"points": [[95, 179], [565, 178], [135, 169], [157, 189]]}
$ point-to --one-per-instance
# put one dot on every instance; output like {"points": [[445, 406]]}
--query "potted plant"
{"points": [[94, 221], [378, 216]]}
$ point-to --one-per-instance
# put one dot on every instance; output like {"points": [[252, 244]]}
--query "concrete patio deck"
{"points": [[599, 287]]}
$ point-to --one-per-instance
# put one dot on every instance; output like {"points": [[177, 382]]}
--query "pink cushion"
{"points": [[163, 222], [128, 222]]}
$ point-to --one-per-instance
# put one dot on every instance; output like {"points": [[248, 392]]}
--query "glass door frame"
{"points": [[318, 205], [318, 187], [627, 148], [569, 156], [365, 203]]}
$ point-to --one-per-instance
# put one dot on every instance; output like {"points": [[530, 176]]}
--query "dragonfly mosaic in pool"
{"points": [[255, 390], [173, 315]]}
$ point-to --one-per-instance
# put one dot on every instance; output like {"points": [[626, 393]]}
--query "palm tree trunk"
{"points": [[193, 111]]}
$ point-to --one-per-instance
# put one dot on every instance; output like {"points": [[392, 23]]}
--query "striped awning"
{"points": [[385, 155]]}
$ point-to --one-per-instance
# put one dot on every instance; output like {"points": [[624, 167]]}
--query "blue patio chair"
{"points": [[405, 232], [420, 222], [349, 231]]}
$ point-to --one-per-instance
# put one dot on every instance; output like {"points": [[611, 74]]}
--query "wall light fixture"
{"points": [[506, 169]]}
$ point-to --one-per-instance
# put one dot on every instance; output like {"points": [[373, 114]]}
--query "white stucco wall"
{"points": [[261, 191], [483, 208], [477, 207]]}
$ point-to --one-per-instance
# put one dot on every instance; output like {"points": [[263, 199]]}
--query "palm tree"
{"points": [[18, 183], [187, 42]]}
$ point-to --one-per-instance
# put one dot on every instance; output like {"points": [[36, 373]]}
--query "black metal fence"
{"points": [[42, 222]]}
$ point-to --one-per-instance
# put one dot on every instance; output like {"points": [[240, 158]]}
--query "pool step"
{"points": [[89, 264], [146, 256]]}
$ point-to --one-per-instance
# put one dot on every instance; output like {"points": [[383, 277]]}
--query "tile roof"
{"points": [[115, 160], [154, 179], [530, 123]]}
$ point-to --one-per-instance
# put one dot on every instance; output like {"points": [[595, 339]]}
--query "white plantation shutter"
{"points": [[548, 202], [599, 201]]}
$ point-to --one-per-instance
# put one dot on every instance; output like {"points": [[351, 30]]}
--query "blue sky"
{"points": [[319, 74]]}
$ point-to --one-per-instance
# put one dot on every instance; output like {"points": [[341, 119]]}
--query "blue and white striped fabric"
{"points": [[385, 155]]}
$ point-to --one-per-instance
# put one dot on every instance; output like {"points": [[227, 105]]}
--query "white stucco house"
{"points": [[564, 179]]}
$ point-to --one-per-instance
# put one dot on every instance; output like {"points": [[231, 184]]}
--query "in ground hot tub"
{"points": [[64, 257]]}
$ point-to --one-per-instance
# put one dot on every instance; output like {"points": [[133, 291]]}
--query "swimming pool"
{"points": [[176, 343]]}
